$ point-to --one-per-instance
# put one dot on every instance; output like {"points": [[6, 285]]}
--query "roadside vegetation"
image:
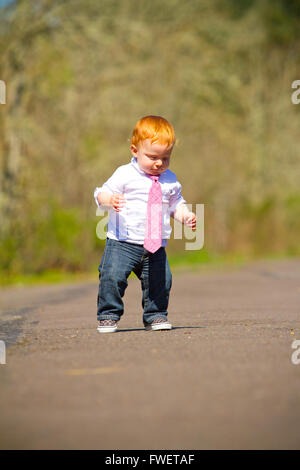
{"points": [[80, 73]]}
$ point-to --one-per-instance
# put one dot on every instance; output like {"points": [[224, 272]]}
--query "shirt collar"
{"points": [[134, 163]]}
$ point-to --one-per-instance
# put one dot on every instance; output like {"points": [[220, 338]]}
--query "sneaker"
{"points": [[158, 324], [107, 326]]}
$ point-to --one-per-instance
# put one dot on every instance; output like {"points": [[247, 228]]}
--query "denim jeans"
{"points": [[118, 261]]}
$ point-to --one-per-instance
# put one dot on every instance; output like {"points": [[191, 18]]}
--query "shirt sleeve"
{"points": [[176, 198], [113, 185]]}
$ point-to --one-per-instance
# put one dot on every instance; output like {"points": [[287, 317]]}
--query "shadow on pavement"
{"points": [[123, 330]]}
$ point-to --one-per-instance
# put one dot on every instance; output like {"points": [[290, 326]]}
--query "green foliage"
{"points": [[80, 74], [282, 20], [52, 240]]}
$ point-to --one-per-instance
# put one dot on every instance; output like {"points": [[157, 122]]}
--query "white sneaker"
{"points": [[158, 324], [107, 326]]}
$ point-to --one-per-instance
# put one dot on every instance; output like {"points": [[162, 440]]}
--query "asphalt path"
{"points": [[225, 377]]}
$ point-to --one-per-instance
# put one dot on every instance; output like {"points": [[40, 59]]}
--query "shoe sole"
{"points": [[107, 329], [159, 326]]}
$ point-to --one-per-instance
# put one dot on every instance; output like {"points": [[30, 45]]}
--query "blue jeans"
{"points": [[118, 261]]}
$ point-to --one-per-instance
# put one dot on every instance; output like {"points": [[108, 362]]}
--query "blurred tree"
{"points": [[80, 73]]}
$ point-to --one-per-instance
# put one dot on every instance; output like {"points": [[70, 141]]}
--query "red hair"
{"points": [[155, 128]]}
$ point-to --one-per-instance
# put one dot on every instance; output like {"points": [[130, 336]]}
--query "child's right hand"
{"points": [[117, 202]]}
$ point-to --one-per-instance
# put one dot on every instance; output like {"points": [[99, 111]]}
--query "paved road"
{"points": [[223, 378]]}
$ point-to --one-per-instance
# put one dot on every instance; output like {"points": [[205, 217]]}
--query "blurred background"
{"points": [[80, 73]]}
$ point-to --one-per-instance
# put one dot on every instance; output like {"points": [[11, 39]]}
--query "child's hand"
{"points": [[117, 202], [191, 220]]}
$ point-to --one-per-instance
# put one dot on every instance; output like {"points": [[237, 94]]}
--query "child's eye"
{"points": [[165, 160]]}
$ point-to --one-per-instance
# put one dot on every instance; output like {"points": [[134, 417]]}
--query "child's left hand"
{"points": [[190, 220]]}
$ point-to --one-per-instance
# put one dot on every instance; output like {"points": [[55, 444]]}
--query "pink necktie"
{"points": [[152, 240]]}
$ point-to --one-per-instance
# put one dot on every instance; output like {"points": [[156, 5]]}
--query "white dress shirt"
{"points": [[131, 181]]}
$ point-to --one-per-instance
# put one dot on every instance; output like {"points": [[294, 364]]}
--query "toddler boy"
{"points": [[140, 196]]}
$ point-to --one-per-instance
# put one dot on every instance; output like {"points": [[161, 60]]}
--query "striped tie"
{"points": [[152, 240]]}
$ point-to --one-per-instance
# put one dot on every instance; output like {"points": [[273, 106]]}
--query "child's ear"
{"points": [[133, 149]]}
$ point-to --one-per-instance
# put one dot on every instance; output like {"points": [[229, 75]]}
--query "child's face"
{"points": [[152, 158]]}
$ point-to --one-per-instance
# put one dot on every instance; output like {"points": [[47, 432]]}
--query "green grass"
{"points": [[198, 261], [187, 261], [47, 277]]}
